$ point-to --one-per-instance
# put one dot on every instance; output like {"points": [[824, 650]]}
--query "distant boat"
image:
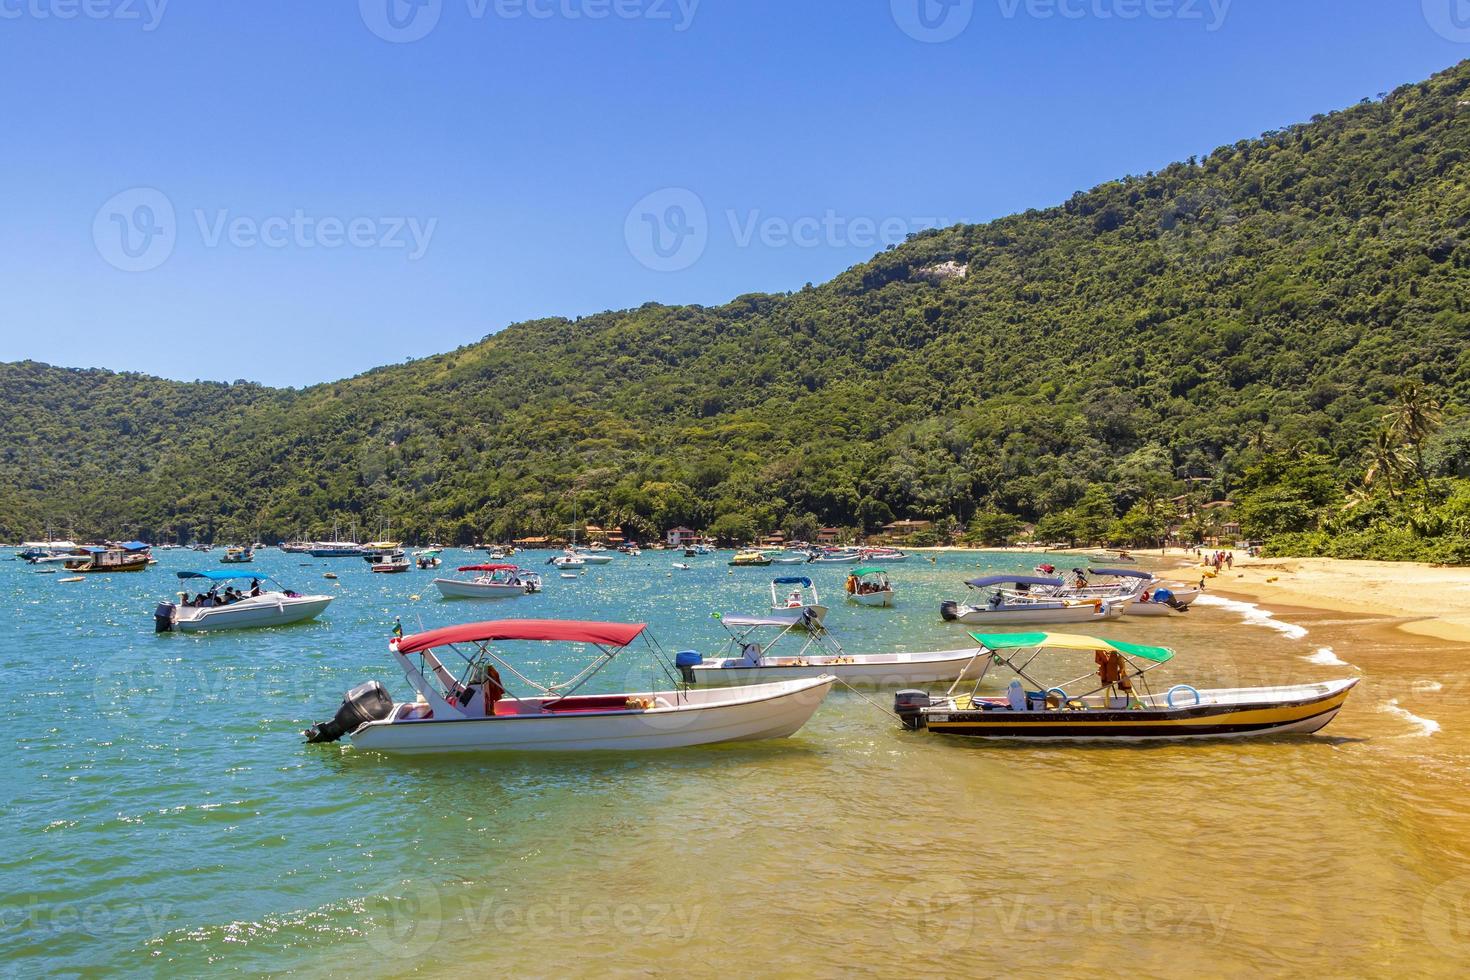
{"points": [[132, 556], [236, 555]]}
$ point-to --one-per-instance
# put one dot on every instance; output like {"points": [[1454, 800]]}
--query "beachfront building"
{"points": [[828, 535], [902, 532], [682, 537]]}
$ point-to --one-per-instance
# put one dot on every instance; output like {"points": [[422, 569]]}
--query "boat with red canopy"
{"points": [[468, 706], [496, 581]]}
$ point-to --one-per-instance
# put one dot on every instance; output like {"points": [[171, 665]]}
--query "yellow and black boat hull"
{"points": [[1301, 710]]}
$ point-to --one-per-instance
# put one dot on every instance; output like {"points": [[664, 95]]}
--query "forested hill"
{"points": [[1265, 303]]}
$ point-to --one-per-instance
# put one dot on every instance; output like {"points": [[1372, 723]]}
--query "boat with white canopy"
{"points": [[1020, 606], [264, 603], [1116, 701], [869, 587], [495, 581], [469, 708], [794, 598], [749, 657]]}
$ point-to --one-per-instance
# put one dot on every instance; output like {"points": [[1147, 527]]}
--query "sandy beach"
{"points": [[1430, 600], [1427, 600]]}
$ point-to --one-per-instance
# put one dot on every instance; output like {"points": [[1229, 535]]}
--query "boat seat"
{"points": [[593, 702]]}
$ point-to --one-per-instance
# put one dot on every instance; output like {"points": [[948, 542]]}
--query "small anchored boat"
{"points": [[428, 558], [490, 582], [794, 599], [869, 587], [1117, 703], [92, 559], [388, 562], [236, 555], [750, 559], [471, 710], [749, 657], [1019, 607], [266, 603]]}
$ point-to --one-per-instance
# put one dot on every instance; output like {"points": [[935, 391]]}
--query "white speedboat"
{"points": [[264, 603], [490, 582], [603, 557], [788, 557], [1151, 596], [472, 711], [869, 587], [837, 557], [1016, 607], [749, 658], [887, 556], [565, 562], [795, 600], [428, 558]]}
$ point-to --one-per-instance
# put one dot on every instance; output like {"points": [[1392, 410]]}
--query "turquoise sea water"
{"points": [[164, 815]]}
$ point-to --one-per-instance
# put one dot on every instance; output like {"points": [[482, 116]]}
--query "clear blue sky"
{"points": [[514, 141]]}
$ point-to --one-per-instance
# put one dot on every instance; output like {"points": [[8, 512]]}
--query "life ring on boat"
{"points": [[1183, 687], [1060, 693]]}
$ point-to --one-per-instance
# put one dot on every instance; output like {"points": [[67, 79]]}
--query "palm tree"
{"points": [[1385, 461], [1413, 420]]}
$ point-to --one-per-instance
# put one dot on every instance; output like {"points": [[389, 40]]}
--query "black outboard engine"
{"points": [[364, 703], [949, 610], [908, 704], [163, 617]]}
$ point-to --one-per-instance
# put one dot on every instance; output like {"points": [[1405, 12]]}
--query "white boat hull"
{"points": [[871, 598], [254, 613], [875, 670], [704, 718], [455, 589], [796, 615], [793, 560], [1038, 614], [596, 559]]}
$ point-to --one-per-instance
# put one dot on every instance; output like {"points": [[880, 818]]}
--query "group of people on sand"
{"points": [[1221, 558], [212, 598]]}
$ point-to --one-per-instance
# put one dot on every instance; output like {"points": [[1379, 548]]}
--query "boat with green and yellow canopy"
{"points": [[1114, 699]]}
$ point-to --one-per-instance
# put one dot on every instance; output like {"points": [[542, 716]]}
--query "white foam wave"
{"points": [[1426, 726], [1327, 658], [1254, 615]]}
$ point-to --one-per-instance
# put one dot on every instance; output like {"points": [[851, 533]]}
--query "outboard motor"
{"points": [[686, 662], [163, 617], [1167, 597], [949, 610], [364, 703], [908, 704]]}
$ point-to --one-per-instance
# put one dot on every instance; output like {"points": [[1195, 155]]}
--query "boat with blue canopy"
{"points": [[218, 605], [1029, 600], [794, 600]]}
